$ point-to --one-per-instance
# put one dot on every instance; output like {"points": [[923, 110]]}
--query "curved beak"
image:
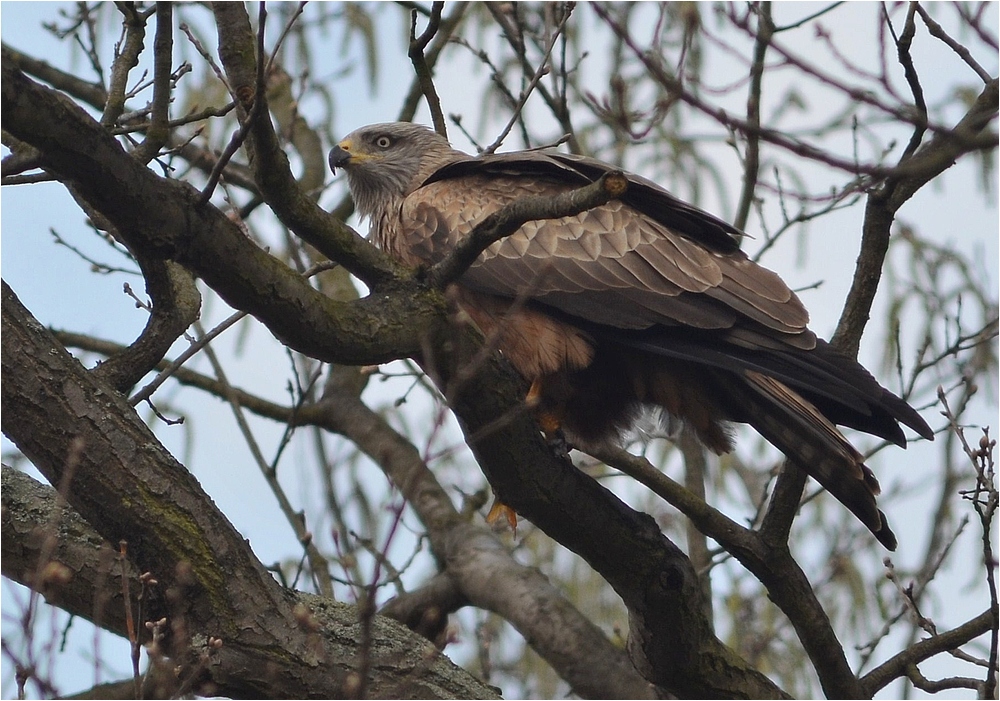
{"points": [[339, 157]]}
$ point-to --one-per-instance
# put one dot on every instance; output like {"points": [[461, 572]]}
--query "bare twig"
{"points": [[751, 158], [543, 69], [281, 38], [256, 103], [506, 17], [421, 67], [131, 622], [985, 499], [431, 54], [958, 140], [903, 42], [203, 340], [963, 52], [296, 519], [900, 664]]}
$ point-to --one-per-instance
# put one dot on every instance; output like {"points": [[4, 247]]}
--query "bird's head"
{"points": [[386, 162]]}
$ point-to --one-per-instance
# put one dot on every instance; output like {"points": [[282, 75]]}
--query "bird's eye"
{"points": [[383, 142]]}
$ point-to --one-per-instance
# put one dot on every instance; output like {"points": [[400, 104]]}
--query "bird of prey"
{"points": [[645, 301]]}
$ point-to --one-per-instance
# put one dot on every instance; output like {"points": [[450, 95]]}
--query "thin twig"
{"points": [[542, 69], [296, 519], [937, 31], [903, 42], [751, 159], [203, 340], [130, 622], [281, 38], [241, 134], [421, 67]]}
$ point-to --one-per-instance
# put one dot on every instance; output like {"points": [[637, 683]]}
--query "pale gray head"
{"points": [[386, 162]]}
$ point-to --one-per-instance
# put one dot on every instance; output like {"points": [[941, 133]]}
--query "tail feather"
{"points": [[800, 431]]}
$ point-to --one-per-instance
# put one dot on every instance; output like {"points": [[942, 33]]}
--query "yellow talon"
{"points": [[550, 421], [500, 512], [534, 396]]}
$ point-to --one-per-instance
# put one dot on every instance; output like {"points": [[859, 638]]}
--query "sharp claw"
{"points": [[550, 421], [500, 513], [557, 441]]}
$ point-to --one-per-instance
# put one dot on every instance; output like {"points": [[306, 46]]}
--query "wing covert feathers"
{"points": [[659, 276]]}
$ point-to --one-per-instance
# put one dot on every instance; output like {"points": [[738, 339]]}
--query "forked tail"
{"points": [[809, 439]]}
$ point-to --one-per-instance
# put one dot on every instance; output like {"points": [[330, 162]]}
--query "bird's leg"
{"points": [[550, 420]]}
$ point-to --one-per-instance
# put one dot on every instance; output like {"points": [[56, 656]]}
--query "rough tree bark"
{"points": [[118, 477]]}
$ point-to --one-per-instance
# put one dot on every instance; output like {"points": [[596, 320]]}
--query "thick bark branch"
{"points": [[164, 217], [671, 641], [93, 94], [37, 530], [175, 305], [765, 554], [116, 475], [578, 651]]}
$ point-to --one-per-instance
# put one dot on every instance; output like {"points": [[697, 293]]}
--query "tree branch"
{"points": [[175, 304], [159, 129], [769, 561], [886, 199], [960, 143], [578, 651], [783, 506], [163, 217], [126, 58], [430, 56], [93, 94], [482, 569], [38, 530], [751, 160], [421, 67], [670, 640], [129, 488], [896, 666]]}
